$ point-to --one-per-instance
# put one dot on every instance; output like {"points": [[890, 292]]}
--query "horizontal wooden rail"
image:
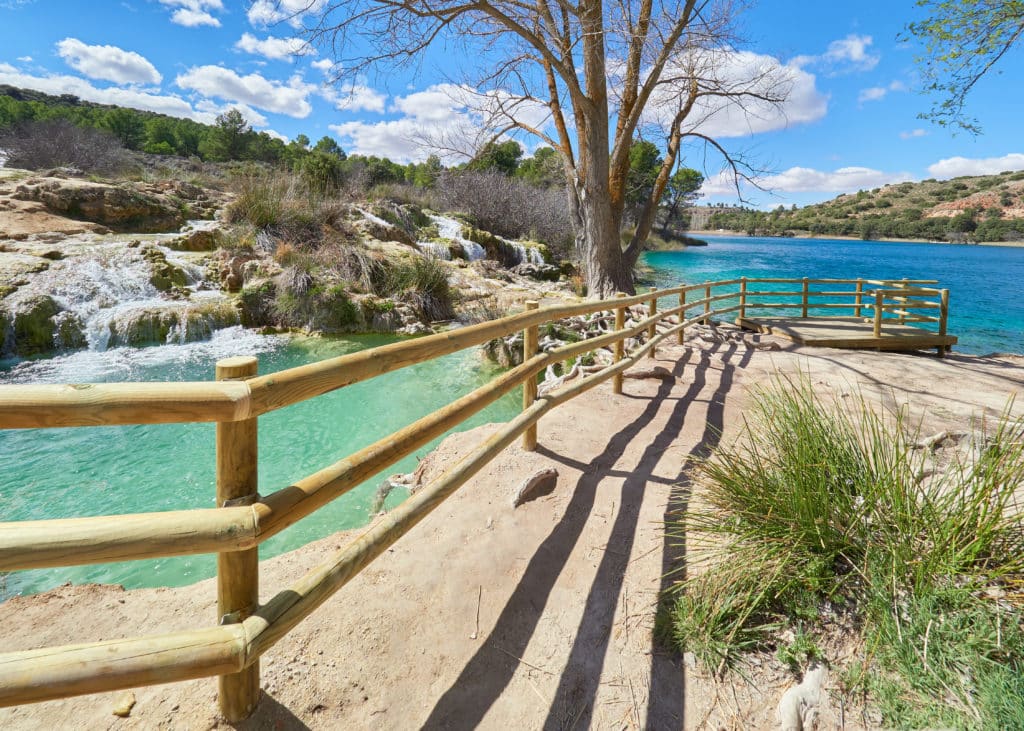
{"points": [[100, 539], [59, 672]]}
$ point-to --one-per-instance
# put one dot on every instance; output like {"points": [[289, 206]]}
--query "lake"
{"points": [[986, 311]]}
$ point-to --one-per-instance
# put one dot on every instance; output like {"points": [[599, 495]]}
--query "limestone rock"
{"points": [[540, 272], [541, 484], [123, 706], [118, 206], [798, 709]]}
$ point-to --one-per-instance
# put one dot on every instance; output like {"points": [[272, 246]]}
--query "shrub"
{"points": [[819, 504], [422, 282], [509, 207], [40, 145]]}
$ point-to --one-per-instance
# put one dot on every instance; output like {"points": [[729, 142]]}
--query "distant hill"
{"points": [[971, 209]]}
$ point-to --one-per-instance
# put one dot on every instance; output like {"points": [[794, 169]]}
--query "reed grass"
{"points": [[822, 505]]}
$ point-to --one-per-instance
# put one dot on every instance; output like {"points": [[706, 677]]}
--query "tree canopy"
{"points": [[963, 40]]}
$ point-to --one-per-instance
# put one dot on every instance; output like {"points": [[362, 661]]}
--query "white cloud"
{"points": [[746, 76], [250, 115], [854, 50], [954, 167], [25, 59], [843, 56], [109, 63], [877, 93], [913, 133], [448, 119], [193, 13], [354, 97], [280, 49], [324, 64], [804, 180], [62, 84], [268, 12], [282, 98]]}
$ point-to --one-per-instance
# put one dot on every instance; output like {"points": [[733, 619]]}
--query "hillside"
{"points": [[966, 209]]}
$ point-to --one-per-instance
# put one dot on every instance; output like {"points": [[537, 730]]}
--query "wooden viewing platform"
{"points": [[847, 332], [895, 307]]}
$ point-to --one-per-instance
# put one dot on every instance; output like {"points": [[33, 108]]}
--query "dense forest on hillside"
{"points": [[965, 209]]}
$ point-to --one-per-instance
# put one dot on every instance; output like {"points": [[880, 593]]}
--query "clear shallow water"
{"points": [[57, 473], [985, 310]]}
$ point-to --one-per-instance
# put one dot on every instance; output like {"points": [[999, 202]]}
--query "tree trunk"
{"points": [[597, 240]]}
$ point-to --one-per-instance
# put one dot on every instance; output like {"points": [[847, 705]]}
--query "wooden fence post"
{"points": [[652, 309], [904, 300], [238, 572], [743, 297], [859, 299], [620, 323], [879, 301], [530, 340], [943, 313], [682, 316], [804, 300], [707, 302]]}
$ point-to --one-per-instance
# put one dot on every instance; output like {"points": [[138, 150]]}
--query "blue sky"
{"points": [[851, 121]]}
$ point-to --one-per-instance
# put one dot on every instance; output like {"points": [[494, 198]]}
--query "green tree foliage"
{"points": [[425, 174], [543, 170], [963, 40], [126, 126], [230, 137], [680, 193], [500, 156], [328, 146], [644, 163]]}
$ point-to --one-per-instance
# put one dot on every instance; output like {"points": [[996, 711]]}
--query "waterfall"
{"points": [[106, 297], [451, 229], [434, 249]]}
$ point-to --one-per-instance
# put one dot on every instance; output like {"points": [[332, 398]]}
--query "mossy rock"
{"points": [[34, 326], [256, 303], [185, 323], [165, 276], [497, 250]]}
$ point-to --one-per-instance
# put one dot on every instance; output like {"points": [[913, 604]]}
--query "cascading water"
{"points": [[106, 295]]}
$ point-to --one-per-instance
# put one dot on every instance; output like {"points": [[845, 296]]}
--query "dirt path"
{"points": [[499, 618]]}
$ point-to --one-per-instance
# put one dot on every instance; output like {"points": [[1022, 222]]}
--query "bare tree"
{"points": [[601, 72]]}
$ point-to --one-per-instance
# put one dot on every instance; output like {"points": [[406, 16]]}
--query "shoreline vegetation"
{"points": [[835, 237]]}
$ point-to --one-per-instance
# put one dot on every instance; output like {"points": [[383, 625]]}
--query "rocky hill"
{"points": [[92, 263], [966, 209]]}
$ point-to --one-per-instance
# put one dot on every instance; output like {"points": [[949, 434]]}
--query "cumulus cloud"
{"points": [[877, 93], [843, 56], [268, 12], [954, 167], [193, 13], [913, 133], [63, 84], [805, 180], [25, 59], [749, 78], [289, 98], [354, 97], [109, 63], [280, 49], [449, 119], [250, 115]]}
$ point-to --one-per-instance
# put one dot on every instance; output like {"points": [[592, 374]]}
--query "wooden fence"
{"points": [[244, 519]]}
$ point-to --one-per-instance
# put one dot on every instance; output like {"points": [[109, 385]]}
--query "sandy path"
{"points": [[565, 586]]}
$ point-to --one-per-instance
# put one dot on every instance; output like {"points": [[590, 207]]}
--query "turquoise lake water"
{"points": [[109, 470], [96, 471], [986, 310]]}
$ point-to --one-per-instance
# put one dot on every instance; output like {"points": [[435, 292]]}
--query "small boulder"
{"points": [[540, 272], [124, 705], [540, 484]]}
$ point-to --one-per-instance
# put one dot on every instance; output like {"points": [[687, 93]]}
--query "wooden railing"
{"points": [[244, 519]]}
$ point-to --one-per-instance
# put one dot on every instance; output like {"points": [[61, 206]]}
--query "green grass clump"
{"points": [[422, 282], [820, 505]]}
